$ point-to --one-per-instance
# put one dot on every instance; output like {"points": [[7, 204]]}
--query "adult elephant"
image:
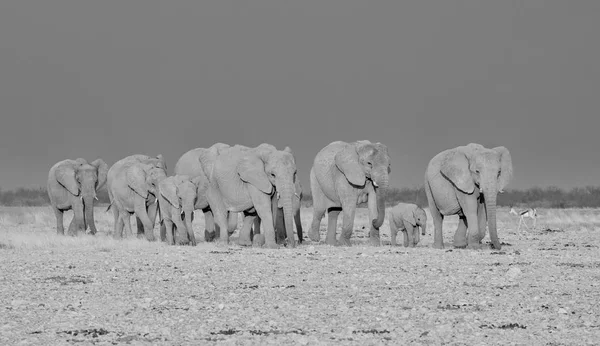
{"points": [[407, 218], [251, 220], [465, 181], [343, 175], [132, 188], [197, 164], [245, 179], [72, 185], [176, 198]]}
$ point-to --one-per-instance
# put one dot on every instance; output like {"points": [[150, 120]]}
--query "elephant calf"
{"points": [[176, 199], [407, 218]]}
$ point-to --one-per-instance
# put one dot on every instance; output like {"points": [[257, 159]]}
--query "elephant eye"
{"points": [[477, 171], [273, 175], [370, 164], [499, 173]]}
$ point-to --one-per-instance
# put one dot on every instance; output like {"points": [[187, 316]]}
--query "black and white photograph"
{"points": [[300, 172]]}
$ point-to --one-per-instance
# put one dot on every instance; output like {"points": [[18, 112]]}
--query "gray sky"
{"points": [[113, 78]]}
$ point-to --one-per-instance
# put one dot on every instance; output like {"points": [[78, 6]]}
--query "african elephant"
{"points": [[465, 181], [342, 176], [176, 199], [132, 188], [407, 218], [72, 184], [244, 179], [197, 164], [252, 220]]}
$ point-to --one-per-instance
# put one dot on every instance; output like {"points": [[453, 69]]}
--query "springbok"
{"points": [[529, 213]]}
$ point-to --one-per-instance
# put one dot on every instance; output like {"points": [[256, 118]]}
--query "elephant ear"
{"points": [[102, 169], [136, 179], [163, 162], [168, 189], [408, 215], [251, 170], [506, 168], [455, 167], [65, 175], [347, 162]]}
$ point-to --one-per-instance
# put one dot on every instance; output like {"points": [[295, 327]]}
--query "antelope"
{"points": [[526, 213]]}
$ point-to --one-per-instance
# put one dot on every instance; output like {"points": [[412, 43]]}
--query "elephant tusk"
{"points": [[278, 196], [374, 183], [96, 198], [297, 195]]}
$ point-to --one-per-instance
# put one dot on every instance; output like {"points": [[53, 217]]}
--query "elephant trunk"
{"points": [[286, 195], [423, 228], [380, 178], [490, 205], [380, 209], [88, 209]]}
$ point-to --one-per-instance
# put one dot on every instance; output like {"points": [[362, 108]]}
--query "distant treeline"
{"points": [[551, 197]]}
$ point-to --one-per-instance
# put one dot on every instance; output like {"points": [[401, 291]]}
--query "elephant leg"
{"points": [[140, 227], [481, 221], [232, 221], [348, 212], [169, 231], [127, 224], [460, 237], [118, 225], [393, 232], [409, 231], [262, 204], [298, 221], [142, 213], [373, 215], [318, 213], [332, 218], [438, 219], [245, 238], [77, 223], [319, 208], [405, 236], [60, 228], [116, 219], [258, 239], [163, 231], [416, 236], [209, 225], [181, 237]]}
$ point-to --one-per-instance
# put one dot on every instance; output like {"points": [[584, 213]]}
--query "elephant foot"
{"points": [[344, 242], [209, 236], [259, 240], [182, 241], [376, 241], [272, 246], [291, 243], [474, 246], [222, 243], [314, 236], [438, 245], [244, 242], [496, 245], [459, 244]]}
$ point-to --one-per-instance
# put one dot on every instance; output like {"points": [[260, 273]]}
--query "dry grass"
{"points": [[540, 289], [35, 227]]}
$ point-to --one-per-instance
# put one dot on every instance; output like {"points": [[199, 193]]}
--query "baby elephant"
{"points": [[407, 217], [177, 197]]}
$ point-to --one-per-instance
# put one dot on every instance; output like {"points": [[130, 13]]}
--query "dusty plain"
{"points": [[541, 288]]}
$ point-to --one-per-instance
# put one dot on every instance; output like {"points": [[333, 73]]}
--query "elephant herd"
{"points": [[262, 184]]}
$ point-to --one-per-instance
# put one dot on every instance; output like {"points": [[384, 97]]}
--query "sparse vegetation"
{"points": [[551, 197], [97, 290]]}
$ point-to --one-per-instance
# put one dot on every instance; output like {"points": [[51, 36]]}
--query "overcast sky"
{"points": [[113, 78]]}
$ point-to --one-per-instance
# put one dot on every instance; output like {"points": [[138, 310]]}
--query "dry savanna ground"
{"points": [[542, 288]]}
